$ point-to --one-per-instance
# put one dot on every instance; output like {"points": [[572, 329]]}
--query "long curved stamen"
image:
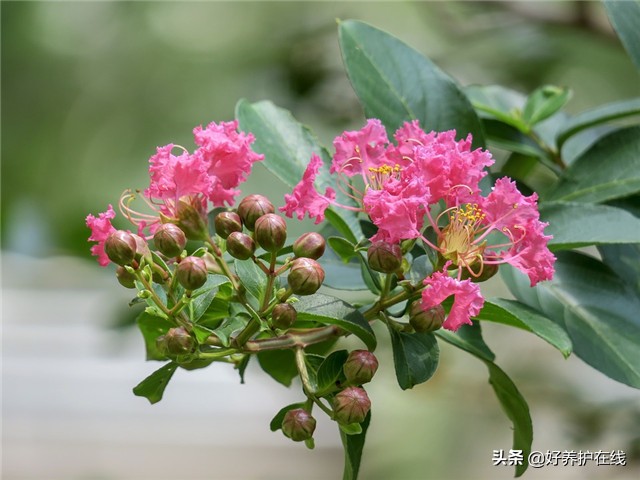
{"points": [[426, 240]]}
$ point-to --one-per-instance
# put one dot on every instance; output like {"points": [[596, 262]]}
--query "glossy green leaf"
{"points": [[218, 308], [395, 84], [151, 328], [595, 307], [353, 447], [469, 338], [544, 102], [279, 364], [625, 261], [516, 314], [596, 116], [252, 277], [344, 248], [415, 357], [342, 276], [276, 421], [574, 224], [333, 311], [330, 370], [625, 18], [230, 325], [152, 387], [203, 296], [201, 333], [288, 146], [609, 169]]}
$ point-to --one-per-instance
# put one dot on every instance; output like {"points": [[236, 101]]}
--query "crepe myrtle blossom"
{"points": [[432, 180], [100, 229], [188, 181]]}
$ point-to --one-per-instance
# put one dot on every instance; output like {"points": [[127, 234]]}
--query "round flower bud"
{"points": [[270, 232], [351, 405], [227, 223], [424, 321], [126, 279], [169, 240], [305, 277], [240, 245], [283, 316], [142, 249], [384, 257], [309, 245], [488, 271], [192, 272], [191, 221], [298, 425], [120, 247], [360, 367], [176, 341], [253, 207]]}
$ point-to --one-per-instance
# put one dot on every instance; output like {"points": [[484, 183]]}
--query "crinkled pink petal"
{"points": [[100, 229], [357, 151], [173, 176], [506, 207], [305, 199], [467, 303], [408, 137]]}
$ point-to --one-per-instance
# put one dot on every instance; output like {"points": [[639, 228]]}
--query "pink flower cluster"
{"points": [[431, 181], [211, 173]]}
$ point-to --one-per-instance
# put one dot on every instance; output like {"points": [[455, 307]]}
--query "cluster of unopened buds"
{"points": [[190, 263]]}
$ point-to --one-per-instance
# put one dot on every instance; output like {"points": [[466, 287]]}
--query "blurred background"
{"points": [[89, 89]]}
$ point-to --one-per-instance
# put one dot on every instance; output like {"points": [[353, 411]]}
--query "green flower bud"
{"points": [[142, 249], [126, 279], [424, 321], [120, 247], [253, 207], [176, 341], [384, 257], [192, 221], [283, 316], [227, 223], [298, 425], [305, 277], [240, 245], [191, 272], [351, 405], [169, 240], [309, 245], [360, 367], [270, 232]]}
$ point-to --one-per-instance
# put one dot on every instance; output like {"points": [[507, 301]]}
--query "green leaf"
{"points": [[341, 276], [201, 333], [353, 446], [516, 314], [609, 169], [252, 277], [350, 429], [574, 224], [276, 421], [280, 365], [288, 146], [333, 311], [344, 248], [596, 116], [415, 357], [625, 261], [625, 18], [544, 102], [231, 325], [498, 103], [152, 387], [469, 338], [218, 309], [151, 328], [203, 296], [595, 307], [395, 84], [330, 370]]}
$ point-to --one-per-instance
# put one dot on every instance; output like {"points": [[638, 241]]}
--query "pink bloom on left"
{"points": [[100, 229]]}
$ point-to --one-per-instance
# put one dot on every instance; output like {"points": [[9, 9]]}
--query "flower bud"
{"points": [[488, 271], [227, 223], [283, 316], [360, 367], [212, 265], [305, 277], [253, 207], [424, 321], [309, 245], [270, 232], [126, 279], [192, 272], [191, 221], [240, 245], [120, 247], [176, 341], [384, 257], [142, 249], [351, 405], [169, 240], [298, 425]]}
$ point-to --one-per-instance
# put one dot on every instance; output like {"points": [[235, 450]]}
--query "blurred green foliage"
{"points": [[90, 89]]}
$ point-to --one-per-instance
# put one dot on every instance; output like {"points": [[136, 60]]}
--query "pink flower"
{"points": [[357, 151], [228, 156], [100, 229], [467, 303], [305, 198]]}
